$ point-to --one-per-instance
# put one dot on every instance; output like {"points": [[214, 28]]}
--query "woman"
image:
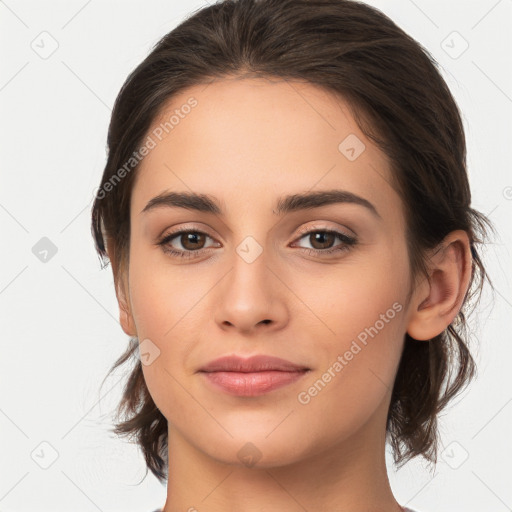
{"points": [[287, 213]]}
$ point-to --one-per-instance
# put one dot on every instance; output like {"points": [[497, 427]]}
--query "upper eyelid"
{"points": [[314, 228]]}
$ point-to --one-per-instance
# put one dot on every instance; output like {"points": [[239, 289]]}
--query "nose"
{"points": [[252, 297]]}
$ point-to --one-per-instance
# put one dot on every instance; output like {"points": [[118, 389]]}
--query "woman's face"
{"points": [[262, 275]]}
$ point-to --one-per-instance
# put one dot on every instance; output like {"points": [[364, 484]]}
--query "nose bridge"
{"points": [[249, 277], [250, 293]]}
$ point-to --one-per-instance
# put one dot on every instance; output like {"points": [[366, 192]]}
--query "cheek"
{"points": [[357, 362], [166, 309], [165, 315], [360, 314], [160, 296], [355, 295]]}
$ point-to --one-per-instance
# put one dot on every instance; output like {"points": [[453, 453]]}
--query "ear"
{"points": [[125, 313], [122, 293], [437, 300]]}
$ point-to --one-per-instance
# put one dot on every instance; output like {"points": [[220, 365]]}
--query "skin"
{"points": [[247, 142]]}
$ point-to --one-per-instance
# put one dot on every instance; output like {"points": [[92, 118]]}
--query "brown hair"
{"points": [[399, 100]]}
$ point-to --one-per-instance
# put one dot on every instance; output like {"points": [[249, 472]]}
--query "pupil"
{"points": [[191, 238]]}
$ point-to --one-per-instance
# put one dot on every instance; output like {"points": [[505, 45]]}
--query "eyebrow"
{"points": [[291, 203]]}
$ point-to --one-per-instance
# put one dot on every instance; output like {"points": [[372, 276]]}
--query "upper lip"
{"points": [[258, 363]]}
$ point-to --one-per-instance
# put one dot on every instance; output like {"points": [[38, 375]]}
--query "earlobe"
{"points": [[438, 300]]}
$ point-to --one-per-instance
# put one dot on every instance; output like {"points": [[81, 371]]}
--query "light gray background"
{"points": [[60, 332]]}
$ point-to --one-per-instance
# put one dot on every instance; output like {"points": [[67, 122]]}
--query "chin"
{"points": [[256, 451]]}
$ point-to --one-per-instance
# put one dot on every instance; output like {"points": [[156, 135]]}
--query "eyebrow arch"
{"points": [[291, 203]]}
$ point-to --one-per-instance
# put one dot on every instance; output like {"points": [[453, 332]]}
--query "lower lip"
{"points": [[252, 384]]}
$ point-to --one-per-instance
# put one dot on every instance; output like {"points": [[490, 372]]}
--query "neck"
{"points": [[350, 476]]}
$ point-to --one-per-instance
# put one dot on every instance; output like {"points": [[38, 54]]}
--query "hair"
{"points": [[398, 99]]}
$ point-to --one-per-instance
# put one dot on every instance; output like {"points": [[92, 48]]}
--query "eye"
{"points": [[322, 240], [192, 242]]}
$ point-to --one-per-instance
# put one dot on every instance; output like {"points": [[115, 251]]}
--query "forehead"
{"points": [[250, 140]]}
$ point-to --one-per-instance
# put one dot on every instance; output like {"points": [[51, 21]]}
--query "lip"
{"points": [[251, 376], [258, 363]]}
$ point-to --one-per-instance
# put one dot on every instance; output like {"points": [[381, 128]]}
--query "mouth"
{"points": [[254, 376]]}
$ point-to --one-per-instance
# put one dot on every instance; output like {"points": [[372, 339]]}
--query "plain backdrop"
{"points": [[62, 65]]}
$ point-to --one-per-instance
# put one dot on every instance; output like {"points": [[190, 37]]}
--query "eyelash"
{"points": [[348, 242]]}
